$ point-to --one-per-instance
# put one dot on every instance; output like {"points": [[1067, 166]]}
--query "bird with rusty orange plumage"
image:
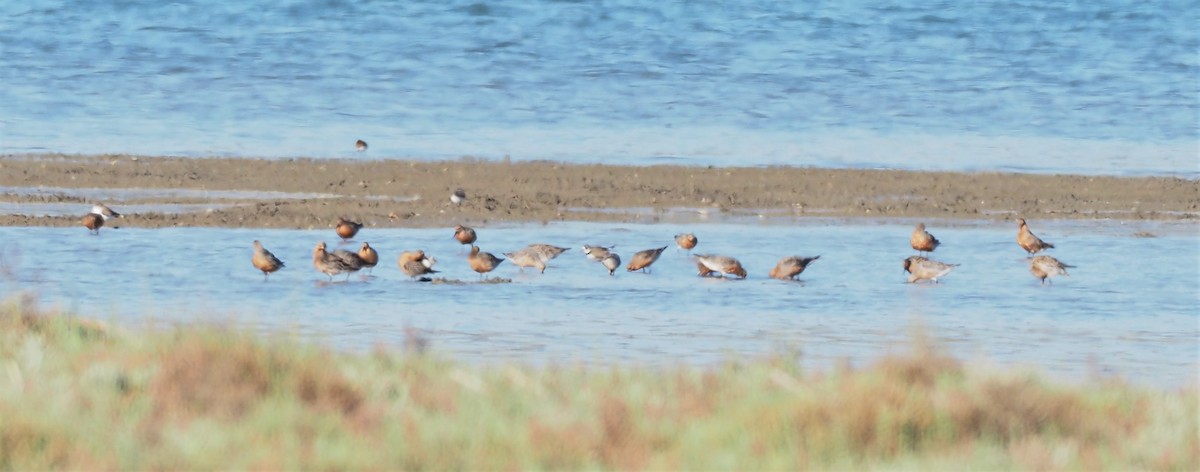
{"points": [[1029, 241], [369, 256], [482, 262], [723, 265], [346, 229], [415, 263], [686, 241], [100, 214], [642, 260], [922, 241], [264, 260], [464, 235], [789, 267]]}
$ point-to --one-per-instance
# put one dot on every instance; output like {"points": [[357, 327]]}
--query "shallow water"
{"points": [[1130, 308], [1100, 87]]}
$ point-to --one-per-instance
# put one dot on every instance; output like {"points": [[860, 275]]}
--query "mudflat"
{"points": [[313, 193]]}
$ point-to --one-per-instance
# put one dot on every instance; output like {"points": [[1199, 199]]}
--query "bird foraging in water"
{"points": [[100, 213], [535, 255], [482, 262], [611, 262], [369, 256], [720, 264], [346, 229], [922, 241], [1045, 267], [458, 196], [1028, 241], [642, 260], [265, 261], [686, 241], [789, 267], [360, 145], [920, 268], [464, 235], [336, 262]]}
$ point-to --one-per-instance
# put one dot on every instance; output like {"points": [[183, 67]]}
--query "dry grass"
{"points": [[80, 395]]}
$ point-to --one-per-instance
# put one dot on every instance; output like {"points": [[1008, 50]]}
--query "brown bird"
{"points": [[596, 253], [99, 214], [642, 260], [336, 262], [482, 262], [369, 256], [1045, 267], [686, 241], [920, 268], [611, 262], [265, 261], [1028, 241], [360, 145], [922, 241], [416, 263], [721, 264], [535, 255], [789, 267], [464, 235], [346, 229]]}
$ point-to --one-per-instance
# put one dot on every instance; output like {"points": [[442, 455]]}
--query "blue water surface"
{"points": [[1099, 87]]}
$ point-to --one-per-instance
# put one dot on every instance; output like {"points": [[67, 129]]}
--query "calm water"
{"points": [[1131, 307], [1105, 87]]}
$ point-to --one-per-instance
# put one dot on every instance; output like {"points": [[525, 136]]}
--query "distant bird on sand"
{"points": [[535, 255], [99, 214], [922, 241], [686, 241], [464, 235], [416, 263], [720, 264], [789, 267], [920, 268], [360, 145], [1045, 267], [369, 256], [642, 260], [611, 262], [596, 253], [346, 229], [1028, 241], [265, 261], [336, 262], [482, 262], [458, 196]]}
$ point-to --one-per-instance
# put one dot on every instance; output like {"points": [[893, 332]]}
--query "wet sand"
{"points": [[397, 193]]}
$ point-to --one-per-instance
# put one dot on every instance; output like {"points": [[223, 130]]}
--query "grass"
{"points": [[77, 394]]}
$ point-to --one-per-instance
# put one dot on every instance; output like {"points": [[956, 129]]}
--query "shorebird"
{"points": [[265, 261], [369, 256], [482, 262], [721, 264], [1045, 267], [360, 145], [789, 267], [922, 241], [920, 268], [596, 253], [99, 214], [346, 229], [1028, 241], [458, 196], [535, 255], [642, 259], [686, 241], [336, 262], [611, 262], [416, 263], [464, 235]]}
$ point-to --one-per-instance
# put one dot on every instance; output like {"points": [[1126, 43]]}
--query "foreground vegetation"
{"points": [[79, 394]]}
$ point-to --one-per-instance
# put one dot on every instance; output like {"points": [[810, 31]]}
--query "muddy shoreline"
{"points": [[312, 193]]}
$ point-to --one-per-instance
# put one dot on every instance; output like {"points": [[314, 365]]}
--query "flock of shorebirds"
{"points": [[417, 264]]}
